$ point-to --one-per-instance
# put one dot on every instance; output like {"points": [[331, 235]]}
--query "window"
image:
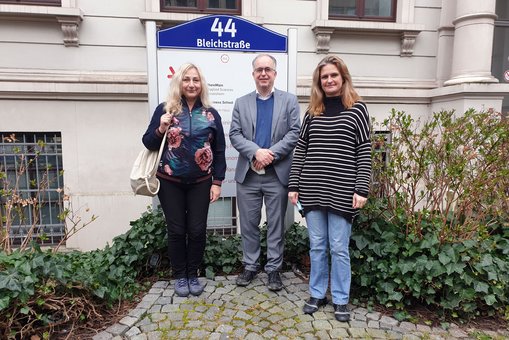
{"points": [[222, 218], [33, 2], [31, 172], [381, 143], [379, 10], [202, 6], [500, 55]]}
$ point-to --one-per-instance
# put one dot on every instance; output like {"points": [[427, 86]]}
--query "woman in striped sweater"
{"points": [[330, 177]]}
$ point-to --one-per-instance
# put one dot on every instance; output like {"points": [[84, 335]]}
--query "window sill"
{"points": [[69, 18], [323, 30]]}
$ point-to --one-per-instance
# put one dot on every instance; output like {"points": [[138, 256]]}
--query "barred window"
{"points": [[31, 183], [222, 218], [381, 144], [202, 6], [375, 10]]}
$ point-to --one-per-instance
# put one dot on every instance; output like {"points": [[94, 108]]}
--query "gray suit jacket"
{"points": [[285, 132]]}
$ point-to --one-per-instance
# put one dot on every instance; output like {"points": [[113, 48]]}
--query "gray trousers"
{"points": [[250, 196]]}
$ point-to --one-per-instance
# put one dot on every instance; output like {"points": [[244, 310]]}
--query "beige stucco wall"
{"points": [[95, 94]]}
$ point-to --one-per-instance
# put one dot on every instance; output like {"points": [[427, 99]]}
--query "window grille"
{"points": [[222, 218], [31, 164], [381, 143]]}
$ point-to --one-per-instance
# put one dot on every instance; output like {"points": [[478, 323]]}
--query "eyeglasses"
{"points": [[260, 70]]}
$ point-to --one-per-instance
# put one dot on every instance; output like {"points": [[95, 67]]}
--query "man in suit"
{"points": [[264, 130]]}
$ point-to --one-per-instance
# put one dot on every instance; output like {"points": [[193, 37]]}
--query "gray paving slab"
{"points": [[225, 311]]}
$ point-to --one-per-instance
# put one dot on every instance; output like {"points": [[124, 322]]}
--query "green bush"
{"points": [[43, 289], [435, 231], [466, 278]]}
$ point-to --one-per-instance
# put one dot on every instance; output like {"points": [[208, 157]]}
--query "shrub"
{"points": [[436, 231]]}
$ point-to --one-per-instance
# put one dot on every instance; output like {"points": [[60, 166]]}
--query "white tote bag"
{"points": [[143, 174]]}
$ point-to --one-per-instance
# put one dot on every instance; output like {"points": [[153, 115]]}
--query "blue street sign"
{"points": [[222, 32]]}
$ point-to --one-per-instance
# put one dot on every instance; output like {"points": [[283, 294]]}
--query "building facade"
{"points": [[75, 72]]}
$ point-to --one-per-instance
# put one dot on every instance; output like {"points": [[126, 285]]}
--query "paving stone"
{"points": [[411, 337], [199, 334], [139, 337], [458, 333], [128, 321], [154, 309], [388, 321], [160, 284], [103, 336], [358, 324], [224, 328], [156, 317], [339, 333], [322, 334], [155, 335], [137, 312], [358, 332], [374, 315], [376, 333], [321, 324], [270, 334], [170, 308], [373, 324], [132, 332], [305, 326], [253, 336], [149, 328], [157, 291], [423, 328], [407, 326], [117, 329], [163, 300]]}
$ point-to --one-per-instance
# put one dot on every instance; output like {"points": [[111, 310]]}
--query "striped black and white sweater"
{"points": [[332, 159]]}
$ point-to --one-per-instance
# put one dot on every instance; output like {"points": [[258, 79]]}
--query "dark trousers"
{"points": [[185, 208]]}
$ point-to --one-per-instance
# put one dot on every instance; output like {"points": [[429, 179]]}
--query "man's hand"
{"points": [[264, 156]]}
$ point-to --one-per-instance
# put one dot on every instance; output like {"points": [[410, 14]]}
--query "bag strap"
{"points": [[162, 145]]}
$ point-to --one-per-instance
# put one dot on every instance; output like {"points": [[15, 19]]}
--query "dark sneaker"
{"points": [[195, 286], [245, 278], [313, 304], [275, 283], [182, 287], [341, 313]]}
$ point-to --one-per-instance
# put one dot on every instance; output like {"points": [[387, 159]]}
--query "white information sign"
{"points": [[229, 76]]}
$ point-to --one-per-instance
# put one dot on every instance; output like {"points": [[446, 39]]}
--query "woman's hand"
{"points": [[358, 201], [165, 122], [293, 196], [215, 192]]}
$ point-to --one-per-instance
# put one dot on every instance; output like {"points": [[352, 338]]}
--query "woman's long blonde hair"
{"points": [[348, 94], [174, 99]]}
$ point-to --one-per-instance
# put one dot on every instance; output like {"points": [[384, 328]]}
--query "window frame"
{"points": [[38, 170], [201, 8], [33, 2], [360, 6]]}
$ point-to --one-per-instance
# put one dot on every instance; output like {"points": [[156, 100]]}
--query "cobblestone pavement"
{"points": [[225, 311]]}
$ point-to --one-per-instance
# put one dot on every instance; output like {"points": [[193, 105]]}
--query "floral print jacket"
{"points": [[195, 145]]}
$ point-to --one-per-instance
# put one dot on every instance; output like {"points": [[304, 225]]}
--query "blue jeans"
{"points": [[329, 230]]}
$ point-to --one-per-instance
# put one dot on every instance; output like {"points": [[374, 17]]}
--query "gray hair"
{"points": [[264, 55]]}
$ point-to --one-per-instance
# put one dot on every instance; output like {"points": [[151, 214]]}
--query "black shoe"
{"points": [[313, 304], [275, 283], [341, 313], [245, 278]]}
